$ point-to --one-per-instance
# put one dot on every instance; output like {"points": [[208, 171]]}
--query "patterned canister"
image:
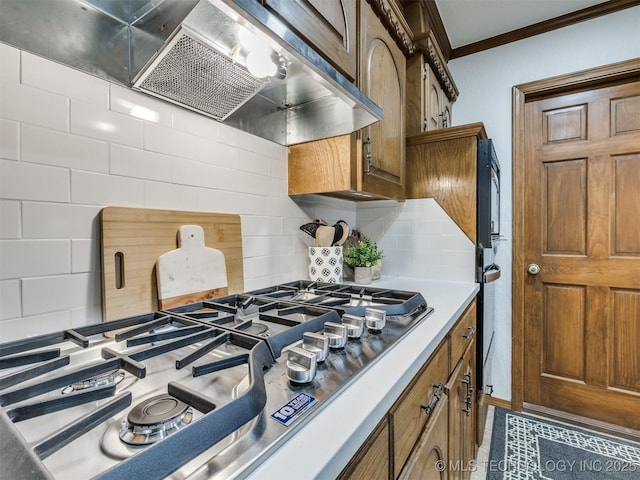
{"points": [[325, 264]]}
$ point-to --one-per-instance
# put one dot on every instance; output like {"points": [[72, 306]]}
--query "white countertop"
{"points": [[323, 447]]}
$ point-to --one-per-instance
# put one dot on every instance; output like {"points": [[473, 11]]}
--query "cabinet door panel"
{"points": [[463, 333], [328, 25], [371, 462], [383, 80], [462, 416], [431, 456]]}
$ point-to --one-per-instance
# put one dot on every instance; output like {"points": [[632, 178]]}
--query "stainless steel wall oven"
{"points": [[487, 271]]}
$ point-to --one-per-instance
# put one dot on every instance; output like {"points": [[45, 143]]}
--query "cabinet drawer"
{"points": [[407, 417], [462, 334]]}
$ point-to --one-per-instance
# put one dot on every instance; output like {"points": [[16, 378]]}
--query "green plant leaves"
{"points": [[366, 254]]}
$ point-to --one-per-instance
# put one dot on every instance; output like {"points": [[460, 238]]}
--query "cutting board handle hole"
{"points": [[119, 263]]}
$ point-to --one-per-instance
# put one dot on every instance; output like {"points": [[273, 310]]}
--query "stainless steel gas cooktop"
{"points": [[204, 390]]}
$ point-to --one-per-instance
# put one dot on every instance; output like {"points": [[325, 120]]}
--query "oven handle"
{"points": [[491, 274]]}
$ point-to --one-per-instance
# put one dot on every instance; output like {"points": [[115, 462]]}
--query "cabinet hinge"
{"points": [[368, 156]]}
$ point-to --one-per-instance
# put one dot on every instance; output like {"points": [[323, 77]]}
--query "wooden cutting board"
{"points": [[134, 238]]}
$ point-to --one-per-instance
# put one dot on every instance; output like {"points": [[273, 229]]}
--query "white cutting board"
{"points": [[192, 272]]}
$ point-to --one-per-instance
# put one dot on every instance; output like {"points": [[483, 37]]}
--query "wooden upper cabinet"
{"points": [[327, 25], [368, 164], [442, 164], [428, 103], [382, 78]]}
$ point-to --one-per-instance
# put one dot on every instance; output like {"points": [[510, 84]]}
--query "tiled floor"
{"points": [[482, 458]]}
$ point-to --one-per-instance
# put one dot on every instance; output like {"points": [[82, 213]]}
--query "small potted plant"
{"points": [[363, 257]]}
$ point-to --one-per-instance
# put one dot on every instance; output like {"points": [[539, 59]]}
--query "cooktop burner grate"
{"points": [[84, 381]]}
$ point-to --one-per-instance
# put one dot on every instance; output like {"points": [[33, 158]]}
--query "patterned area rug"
{"points": [[525, 447]]}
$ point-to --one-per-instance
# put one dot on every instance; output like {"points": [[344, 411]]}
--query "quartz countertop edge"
{"points": [[323, 447]]}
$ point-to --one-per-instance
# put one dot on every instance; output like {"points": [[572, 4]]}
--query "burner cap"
{"points": [[154, 419], [257, 328]]}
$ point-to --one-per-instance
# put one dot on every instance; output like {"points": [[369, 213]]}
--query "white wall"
{"points": [[71, 144], [485, 81]]}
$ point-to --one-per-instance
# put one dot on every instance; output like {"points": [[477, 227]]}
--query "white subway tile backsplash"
{"points": [[9, 140], [285, 207], [69, 82], [214, 153], [19, 328], [59, 292], [52, 147], [194, 123], [139, 105], [34, 106], [28, 258], [254, 246], [170, 197], [278, 167], [85, 255], [261, 226], [27, 181], [56, 220], [219, 201], [103, 124], [235, 180], [232, 202], [250, 162], [10, 306], [137, 163], [9, 219], [234, 137], [161, 139], [269, 149], [268, 186], [189, 172], [87, 315], [10, 61], [97, 189]]}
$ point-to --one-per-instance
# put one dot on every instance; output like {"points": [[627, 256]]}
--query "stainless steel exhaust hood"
{"points": [[191, 53]]}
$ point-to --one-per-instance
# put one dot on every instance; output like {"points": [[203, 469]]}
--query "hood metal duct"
{"points": [[189, 52]]}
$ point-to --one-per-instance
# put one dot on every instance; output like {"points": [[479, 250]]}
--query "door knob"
{"points": [[533, 269]]}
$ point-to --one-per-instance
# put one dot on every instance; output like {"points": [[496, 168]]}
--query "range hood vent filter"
{"points": [[190, 73]]}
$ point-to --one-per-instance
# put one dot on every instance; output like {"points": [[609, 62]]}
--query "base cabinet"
{"points": [[430, 431], [462, 426]]}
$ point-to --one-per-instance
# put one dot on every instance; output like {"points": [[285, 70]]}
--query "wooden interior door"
{"points": [[581, 223]]}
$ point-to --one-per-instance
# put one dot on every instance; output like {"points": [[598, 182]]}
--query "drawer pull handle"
{"points": [[470, 332], [434, 400]]}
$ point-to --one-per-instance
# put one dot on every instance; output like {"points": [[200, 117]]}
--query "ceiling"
{"points": [[470, 21]]}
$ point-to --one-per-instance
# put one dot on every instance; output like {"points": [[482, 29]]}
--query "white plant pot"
{"points": [[325, 264], [362, 275]]}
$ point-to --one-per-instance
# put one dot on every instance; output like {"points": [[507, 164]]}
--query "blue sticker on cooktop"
{"points": [[286, 414]]}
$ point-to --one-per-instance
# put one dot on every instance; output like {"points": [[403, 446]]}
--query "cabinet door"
{"points": [[328, 25], [382, 78], [407, 416], [371, 462], [462, 432], [431, 458], [462, 333]]}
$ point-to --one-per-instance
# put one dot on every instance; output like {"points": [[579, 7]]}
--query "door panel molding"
{"points": [[592, 78]]}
